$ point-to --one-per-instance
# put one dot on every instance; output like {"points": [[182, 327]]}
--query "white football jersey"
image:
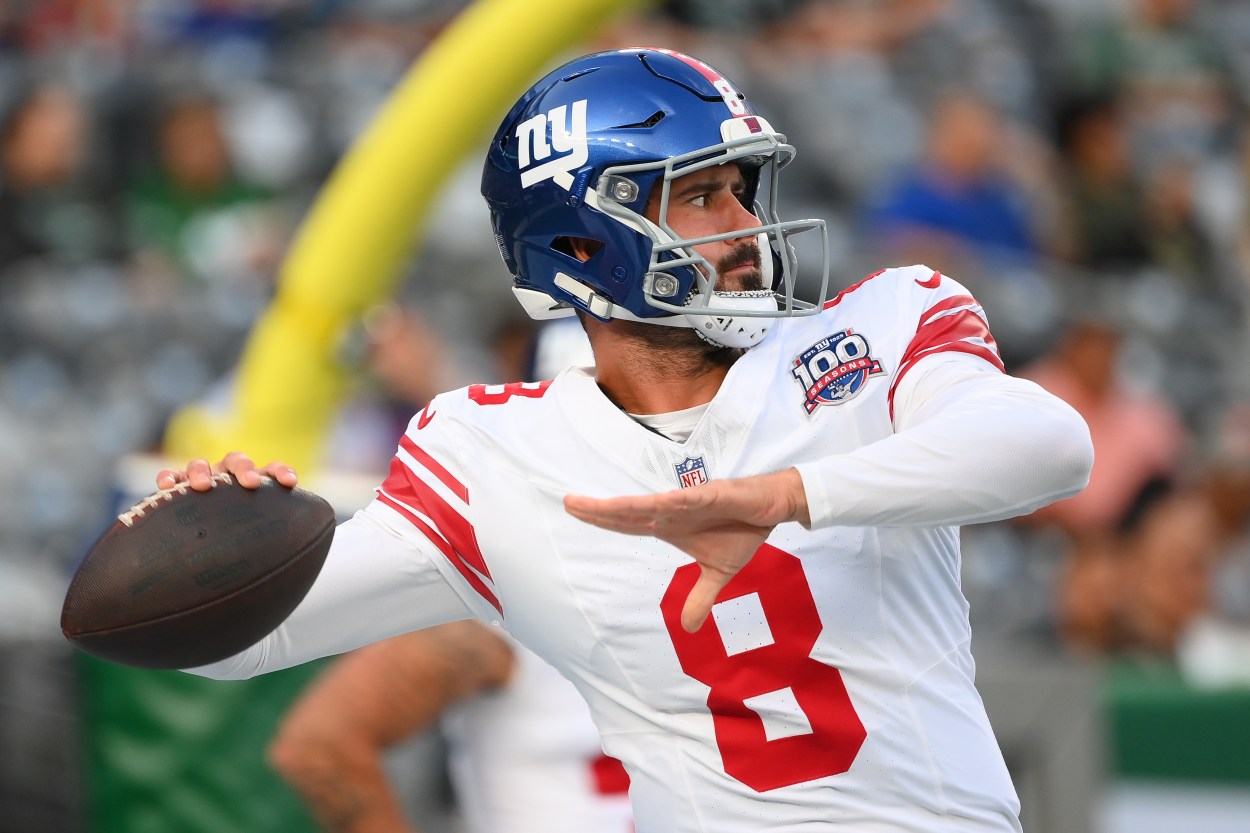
{"points": [[526, 758], [832, 687]]}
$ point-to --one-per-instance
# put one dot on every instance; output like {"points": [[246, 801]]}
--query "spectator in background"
{"points": [[1117, 217], [1139, 546], [193, 220], [1138, 437], [1214, 649], [1103, 213], [959, 202], [1141, 588], [404, 360], [44, 206], [1166, 571], [1180, 244], [1089, 597], [1175, 79]]}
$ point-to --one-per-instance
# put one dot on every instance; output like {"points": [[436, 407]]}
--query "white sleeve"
{"points": [[971, 444], [374, 585]]}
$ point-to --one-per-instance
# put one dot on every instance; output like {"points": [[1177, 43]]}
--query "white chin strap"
{"points": [[740, 331], [736, 330]]}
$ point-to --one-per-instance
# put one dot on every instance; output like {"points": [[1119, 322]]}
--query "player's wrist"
{"points": [[790, 498], [798, 496]]}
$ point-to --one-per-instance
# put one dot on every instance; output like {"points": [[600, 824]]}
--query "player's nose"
{"points": [[743, 220]]}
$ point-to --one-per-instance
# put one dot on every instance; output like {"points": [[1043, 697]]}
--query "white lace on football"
{"points": [[135, 512]]}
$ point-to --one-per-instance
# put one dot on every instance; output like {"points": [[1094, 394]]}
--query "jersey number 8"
{"points": [[748, 755]]}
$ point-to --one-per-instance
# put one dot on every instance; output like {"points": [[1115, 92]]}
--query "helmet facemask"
{"points": [[679, 280]]}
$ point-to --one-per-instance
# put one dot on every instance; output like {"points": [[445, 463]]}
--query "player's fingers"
{"points": [[628, 526], [616, 507], [592, 512], [702, 596], [281, 472], [635, 504], [600, 517], [168, 478], [200, 475], [241, 466]]}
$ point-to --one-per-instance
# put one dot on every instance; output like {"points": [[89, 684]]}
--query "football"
{"points": [[185, 578]]}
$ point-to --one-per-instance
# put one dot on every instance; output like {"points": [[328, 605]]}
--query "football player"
{"points": [[739, 535]]}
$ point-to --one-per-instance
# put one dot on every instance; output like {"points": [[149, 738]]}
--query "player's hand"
{"points": [[720, 524], [199, 473]]}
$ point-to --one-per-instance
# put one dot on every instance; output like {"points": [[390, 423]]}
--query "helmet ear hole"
{"points": [[581, 248]]}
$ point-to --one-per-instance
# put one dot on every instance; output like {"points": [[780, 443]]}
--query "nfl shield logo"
{"points": [[691, 472]]}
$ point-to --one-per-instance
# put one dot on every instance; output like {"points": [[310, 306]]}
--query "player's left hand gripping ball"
{"points": [[186, 578]]}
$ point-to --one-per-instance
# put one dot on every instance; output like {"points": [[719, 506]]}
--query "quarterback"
{"points": [[738, 535]]}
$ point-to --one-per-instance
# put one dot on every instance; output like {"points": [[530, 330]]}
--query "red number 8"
{"points": [[748, 755]]}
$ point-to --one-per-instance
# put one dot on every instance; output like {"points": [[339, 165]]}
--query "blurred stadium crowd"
{"points": [[1082, 165]]}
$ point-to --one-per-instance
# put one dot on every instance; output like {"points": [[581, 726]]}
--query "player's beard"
{"points": [[683, 350], [742, 254], [686, 352]]}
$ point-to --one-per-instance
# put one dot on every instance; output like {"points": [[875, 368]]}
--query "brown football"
{"points": [[186, 578]]}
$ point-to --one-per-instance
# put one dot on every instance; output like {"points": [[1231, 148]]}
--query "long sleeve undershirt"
{"points": [[972, 445]]}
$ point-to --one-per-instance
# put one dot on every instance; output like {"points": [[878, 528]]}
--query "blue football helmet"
{"points": [[579, 156]]}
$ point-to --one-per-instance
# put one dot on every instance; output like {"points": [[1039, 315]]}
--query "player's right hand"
{"points": [[199, 473], [720, 524]]}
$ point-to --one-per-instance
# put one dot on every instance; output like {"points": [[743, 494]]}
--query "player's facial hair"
{"points": [[688, 352], [744, 252]]}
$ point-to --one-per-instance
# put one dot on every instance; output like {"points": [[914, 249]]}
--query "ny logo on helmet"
{"points": [[568, 136]]}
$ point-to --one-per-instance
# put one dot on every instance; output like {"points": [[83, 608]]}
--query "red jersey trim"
{"points": [[954, 325], [405, 491], [837, 299], [458, 489], [452, 556]]}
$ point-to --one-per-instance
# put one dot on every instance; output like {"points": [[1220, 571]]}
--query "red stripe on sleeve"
{"points": [[471, 577], [404, 487], [457, 488], [946, 328], [412, 490], [952, 303]]}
